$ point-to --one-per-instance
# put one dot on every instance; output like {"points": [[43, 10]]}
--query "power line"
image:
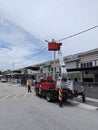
{"points": [[32, 56], [77, 33], [58, 41], [28, 58]]}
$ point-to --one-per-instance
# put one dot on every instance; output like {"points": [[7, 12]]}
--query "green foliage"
{"points": [[0, 72]]}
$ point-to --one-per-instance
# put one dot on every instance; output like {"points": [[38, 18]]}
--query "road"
{"points": [[20, 110]]}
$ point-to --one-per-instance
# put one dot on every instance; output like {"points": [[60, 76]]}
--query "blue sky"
{"points": [[42, 20], [19, 46]]}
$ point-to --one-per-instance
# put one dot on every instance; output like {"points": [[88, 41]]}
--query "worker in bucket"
{"points": [[29, 85]]}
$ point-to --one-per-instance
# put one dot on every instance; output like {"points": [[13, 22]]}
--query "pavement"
{"points": [[92, 103]]}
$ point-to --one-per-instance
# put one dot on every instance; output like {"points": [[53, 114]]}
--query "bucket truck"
{"points": [[63, 88]]}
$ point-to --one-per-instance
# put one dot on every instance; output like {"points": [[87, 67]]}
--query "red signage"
{"points": [[53, 46]]}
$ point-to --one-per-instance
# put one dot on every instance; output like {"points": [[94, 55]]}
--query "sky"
{"points": [[31, 22]]}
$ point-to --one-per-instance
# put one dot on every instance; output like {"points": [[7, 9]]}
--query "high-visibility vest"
{"points": [[28, 83]]}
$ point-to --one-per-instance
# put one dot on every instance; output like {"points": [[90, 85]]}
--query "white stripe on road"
{"points": [[86, 106], [89, 99], [92, 99]]}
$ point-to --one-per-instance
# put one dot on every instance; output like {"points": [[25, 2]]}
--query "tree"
{"points": [[0, 72]]}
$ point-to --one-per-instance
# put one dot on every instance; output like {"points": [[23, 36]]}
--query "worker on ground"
{"points": [[29, 85]]}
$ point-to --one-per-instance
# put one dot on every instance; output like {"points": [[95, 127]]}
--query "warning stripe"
{"points": [[60, 94]]}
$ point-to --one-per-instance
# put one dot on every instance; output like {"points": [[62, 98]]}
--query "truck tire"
{"points": [[37, 93], [40, 93], [48, 97]]}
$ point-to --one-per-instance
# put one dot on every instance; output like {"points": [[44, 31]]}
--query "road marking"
{"points": [[14, 96], [25, 95], [33, 95], [92, 99], [89, 99], [89, 107], [6, 96], [86, 106], [17, 95]]}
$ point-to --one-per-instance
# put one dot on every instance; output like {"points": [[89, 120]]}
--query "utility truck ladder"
{"points": [[62, 66]]}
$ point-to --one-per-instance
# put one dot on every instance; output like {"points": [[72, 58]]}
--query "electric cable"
{"points": [[78, 33], [59, 41], [32, 56], [29, 57]]}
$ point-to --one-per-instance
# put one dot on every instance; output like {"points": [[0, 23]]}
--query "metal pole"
{"points": [[13, 72], [13, 66], [81, 76], [54, 65]]}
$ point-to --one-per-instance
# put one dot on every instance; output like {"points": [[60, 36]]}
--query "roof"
{"points": [[32, 68]]}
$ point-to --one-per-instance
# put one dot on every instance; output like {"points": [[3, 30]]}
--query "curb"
{"points": [[89, 99], [89, 107], [92, 99]]}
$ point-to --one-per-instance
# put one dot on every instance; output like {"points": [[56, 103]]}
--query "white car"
{"points": [[3, 80]]}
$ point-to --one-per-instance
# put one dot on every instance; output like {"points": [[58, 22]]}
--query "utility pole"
{"points": [[13, 72], [54, 65], [54, 57], [54, 46], [13, 66]]}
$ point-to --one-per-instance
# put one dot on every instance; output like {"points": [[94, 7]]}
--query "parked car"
{"points": [[3, 80]]}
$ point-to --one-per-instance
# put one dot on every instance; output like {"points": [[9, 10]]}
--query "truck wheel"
{"points": [[37, 93], [83, 97], [48, 97], [40, 95]]}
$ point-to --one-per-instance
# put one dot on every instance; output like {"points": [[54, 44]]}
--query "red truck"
{"points": [[63, 88], [46, 87]]}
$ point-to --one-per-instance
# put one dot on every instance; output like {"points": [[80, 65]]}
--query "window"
{"points": [[88, 64], [81, 65]]}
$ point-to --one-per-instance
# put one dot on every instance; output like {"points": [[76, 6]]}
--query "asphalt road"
{"points": [[20, 110]]}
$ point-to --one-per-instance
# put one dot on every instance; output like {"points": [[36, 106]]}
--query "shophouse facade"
{"points": [[82, 67]]}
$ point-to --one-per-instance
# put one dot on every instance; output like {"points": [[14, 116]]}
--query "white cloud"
{"points": [[47, 19]]}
